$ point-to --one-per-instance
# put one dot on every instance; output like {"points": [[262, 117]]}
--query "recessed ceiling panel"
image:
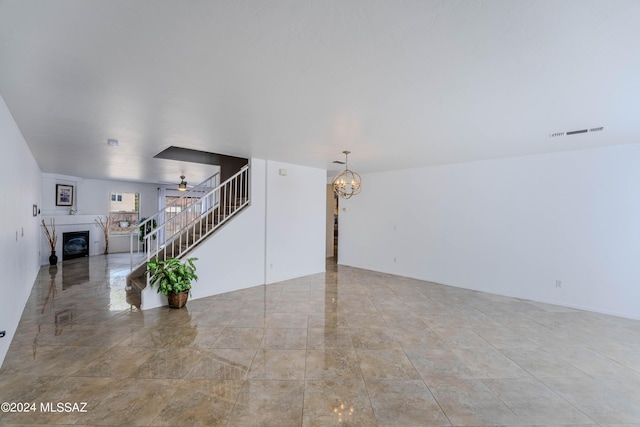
{"points": [[196, 156]]}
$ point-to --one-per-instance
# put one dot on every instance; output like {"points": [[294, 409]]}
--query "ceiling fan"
{"points": [[182, 186]]}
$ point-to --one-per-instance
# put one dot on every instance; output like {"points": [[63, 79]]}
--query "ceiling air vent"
{"points": [[575, 132]]}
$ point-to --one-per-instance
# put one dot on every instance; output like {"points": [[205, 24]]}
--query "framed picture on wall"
{"points": [[64, 195]]}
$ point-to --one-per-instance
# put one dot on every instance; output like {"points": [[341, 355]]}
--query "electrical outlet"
{"points": [[558, 283]]}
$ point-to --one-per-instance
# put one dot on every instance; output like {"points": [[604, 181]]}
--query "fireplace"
{"points": [[75, 244]]}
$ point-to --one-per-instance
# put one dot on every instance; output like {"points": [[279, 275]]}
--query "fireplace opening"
{"points": [[75, 244]]}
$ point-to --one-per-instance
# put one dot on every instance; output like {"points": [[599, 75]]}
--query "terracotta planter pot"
{"points": [[178, 300]]}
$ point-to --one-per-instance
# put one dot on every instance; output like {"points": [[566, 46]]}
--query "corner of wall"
{"points": [[19, 258]]}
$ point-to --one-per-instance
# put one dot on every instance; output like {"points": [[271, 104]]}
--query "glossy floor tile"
{"points": [[345, 348]]}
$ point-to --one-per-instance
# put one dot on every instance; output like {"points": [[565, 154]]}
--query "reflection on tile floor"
{"points": [[349, 347]]}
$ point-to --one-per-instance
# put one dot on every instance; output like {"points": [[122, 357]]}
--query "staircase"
{"points": [[197, 215]]}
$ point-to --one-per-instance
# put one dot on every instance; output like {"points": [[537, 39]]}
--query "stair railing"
{"points": [[199, 219], [177, 205]]}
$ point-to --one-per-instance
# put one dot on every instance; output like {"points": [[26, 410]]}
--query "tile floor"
{"points": [[349, 347]]}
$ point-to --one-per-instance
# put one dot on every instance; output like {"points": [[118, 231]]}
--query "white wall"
{"points": [[234, 258], [20, 231], [296, 221], [278, 237], [91, 199], [510, 226]]}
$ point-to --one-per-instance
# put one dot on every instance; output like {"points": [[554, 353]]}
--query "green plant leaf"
{"points": [[172, 275]]}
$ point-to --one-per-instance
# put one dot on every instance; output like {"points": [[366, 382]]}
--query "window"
{"points": [[124, 212]]}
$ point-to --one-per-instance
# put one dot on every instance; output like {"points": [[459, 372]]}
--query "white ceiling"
{"points": [[399, 83]]}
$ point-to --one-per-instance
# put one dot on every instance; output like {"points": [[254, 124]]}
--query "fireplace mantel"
{"points": [[72, 219]]}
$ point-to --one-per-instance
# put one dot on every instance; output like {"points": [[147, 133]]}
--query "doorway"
{"points": [[332, 224]]}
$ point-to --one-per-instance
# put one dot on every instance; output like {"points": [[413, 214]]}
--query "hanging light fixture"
{"points": [[183, 184], [347, 183]]}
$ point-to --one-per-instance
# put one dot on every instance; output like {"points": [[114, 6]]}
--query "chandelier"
{"points": [[347, 183]]}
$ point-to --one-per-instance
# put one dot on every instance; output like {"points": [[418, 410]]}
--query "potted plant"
{"points": [[173, 278], [145, 229], [52, 237]]}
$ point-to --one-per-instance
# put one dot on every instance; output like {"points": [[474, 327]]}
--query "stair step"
{"points": [[190, 239], [139, 282], [183, 239]]}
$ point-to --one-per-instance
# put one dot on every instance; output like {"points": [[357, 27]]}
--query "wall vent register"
{"points": [[576, 132]]}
